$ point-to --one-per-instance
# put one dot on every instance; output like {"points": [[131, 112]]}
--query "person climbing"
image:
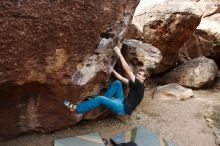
{"points": [[114, 99]]}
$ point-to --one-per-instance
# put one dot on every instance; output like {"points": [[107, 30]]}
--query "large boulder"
{"points": [[167, 27], [202, 43], [213, 29], [196, 73], [172, 91], [211, 15], [196, 47], [141, 55], [48, 54], [134, 33], [204, 7]]}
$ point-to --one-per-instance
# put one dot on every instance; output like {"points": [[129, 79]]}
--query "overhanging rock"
{"points": [[43, 44]]}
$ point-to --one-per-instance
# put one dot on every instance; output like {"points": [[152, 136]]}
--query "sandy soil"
{"points": [[181, 122]]}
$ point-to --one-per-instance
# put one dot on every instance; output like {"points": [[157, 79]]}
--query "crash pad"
{"points": [[92, 139], [142, 137]]}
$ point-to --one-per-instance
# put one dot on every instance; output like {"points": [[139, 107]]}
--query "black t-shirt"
{"points": [[135, 96]]}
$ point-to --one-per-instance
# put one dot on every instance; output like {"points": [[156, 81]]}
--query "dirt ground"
{"points": [[181, 122]]}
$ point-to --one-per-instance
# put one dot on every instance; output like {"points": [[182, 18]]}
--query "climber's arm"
{"points": [[125, 65], [118, 76]]}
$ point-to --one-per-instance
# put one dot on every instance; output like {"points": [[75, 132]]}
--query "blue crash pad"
{"points": [[92, 139], [142, 137]]}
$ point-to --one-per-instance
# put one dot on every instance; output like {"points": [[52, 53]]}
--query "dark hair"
{"points": [[146, 73]]}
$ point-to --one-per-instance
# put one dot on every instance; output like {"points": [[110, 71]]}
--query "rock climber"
{"points": [[114, 99]]}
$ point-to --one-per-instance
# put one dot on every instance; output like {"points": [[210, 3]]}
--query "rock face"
{"points": [[48, 54], [50, 40], [211, 29], [200, 44], [196, 73], [134, 33], [172, 92], [211, 15], [195, 47], [141, 55], [167, 27], [205, 33]]}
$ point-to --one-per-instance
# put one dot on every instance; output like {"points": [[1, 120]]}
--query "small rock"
{"points": [[172, 92], [196, 73]]}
